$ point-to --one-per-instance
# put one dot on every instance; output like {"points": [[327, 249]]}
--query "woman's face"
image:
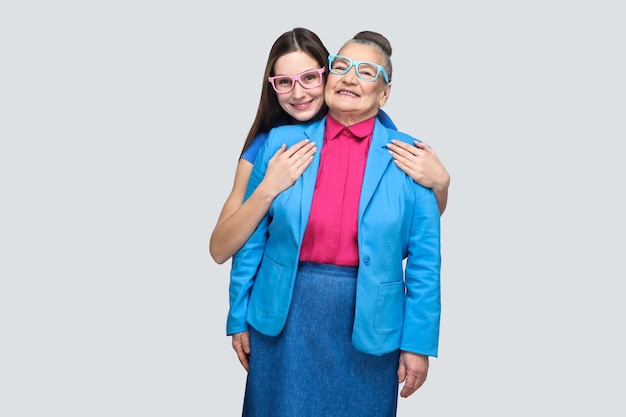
{"points": [[350, 99], [300, 103]]}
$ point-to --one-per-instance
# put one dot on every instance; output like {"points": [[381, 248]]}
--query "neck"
{"points": [[352, 118]]}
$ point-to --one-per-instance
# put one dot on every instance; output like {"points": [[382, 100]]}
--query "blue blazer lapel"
{"points": [[378, 158]]}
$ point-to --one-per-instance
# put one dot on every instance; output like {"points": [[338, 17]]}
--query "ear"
{"points": [[385, 95]]}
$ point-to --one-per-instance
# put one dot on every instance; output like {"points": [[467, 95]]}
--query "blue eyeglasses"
{"points": [[367, 71]]}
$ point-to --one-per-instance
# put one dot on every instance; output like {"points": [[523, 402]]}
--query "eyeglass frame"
{"points": [[297, 78], [356, 64]]}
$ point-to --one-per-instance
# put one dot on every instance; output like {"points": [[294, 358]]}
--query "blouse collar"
{"points": [[359, 130]]}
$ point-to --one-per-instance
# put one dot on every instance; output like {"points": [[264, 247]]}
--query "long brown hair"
{"points": [[269, 112]]}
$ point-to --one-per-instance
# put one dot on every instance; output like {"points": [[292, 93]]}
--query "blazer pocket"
{"points": [[265, 288], [389, 308]]}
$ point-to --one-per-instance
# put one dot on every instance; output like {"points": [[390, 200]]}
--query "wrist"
{"points": [[265, 191], [442, 183]]}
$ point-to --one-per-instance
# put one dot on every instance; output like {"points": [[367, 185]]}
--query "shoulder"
{"points": [[385, 120], [393, 133], [405, 137], [252, 150], [291, 134], [289, 129]]}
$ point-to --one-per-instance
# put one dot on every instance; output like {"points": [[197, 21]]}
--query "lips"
{"points": [[347, 93], [301, 106]]}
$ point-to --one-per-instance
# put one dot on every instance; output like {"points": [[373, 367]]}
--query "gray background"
{"points": [[121, 123]]}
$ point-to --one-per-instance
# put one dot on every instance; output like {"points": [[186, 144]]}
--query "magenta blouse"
{"points": [[331, 234]]}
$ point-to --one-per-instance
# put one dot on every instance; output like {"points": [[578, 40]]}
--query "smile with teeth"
{"points": [[347, 93], [301, 105]]}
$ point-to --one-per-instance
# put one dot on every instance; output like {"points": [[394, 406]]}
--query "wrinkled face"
{"points": [[351, 99], [300, 103]]}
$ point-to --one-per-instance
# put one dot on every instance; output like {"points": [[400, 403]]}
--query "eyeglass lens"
{"points": [[364, 70], [309, 79]]}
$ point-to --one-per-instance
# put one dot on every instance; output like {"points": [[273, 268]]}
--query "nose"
{"points": [[298, 90], [351, 75]]}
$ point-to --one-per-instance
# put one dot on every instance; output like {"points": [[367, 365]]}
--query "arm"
{"points": [[420, 329], [421, 163], [238, 219], [247, 259]]}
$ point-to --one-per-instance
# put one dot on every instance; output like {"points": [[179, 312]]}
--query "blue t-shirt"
{"points": [[253, 149]]}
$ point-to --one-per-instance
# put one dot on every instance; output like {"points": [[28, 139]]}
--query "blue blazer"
{"points": [[398, 288]]}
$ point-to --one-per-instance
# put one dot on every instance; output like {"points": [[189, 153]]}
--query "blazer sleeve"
{"points": [[420, 333], [246, 260]]}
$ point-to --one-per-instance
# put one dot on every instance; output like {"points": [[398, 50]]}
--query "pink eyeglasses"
{"points": [[308, 79]]}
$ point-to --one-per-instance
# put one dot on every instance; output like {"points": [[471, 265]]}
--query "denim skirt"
{"points": [[311, 369]]}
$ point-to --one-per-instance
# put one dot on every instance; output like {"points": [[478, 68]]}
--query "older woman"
{"points": [[338, 286]]}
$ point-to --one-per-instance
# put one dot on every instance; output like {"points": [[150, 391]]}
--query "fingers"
{"points": [[411, 384], [302, 148], [297, 154], [301, 154], [401, 372], [412, 370], [241, 345], [243, 360], [304, 164], [245, 343], [421, 145], [403, 149], [280, 150], [402, 153], [410, 381], [287, 165]]}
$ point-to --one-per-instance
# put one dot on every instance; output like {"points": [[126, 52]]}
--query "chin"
{"points": [[303, 117]]}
